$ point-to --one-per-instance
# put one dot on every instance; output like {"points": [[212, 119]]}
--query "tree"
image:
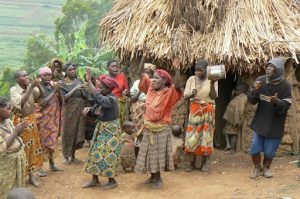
{"points": [[39, 50], [7, 81], [80, 54], [78, 12]]}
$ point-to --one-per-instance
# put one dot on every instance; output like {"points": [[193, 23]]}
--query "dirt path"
{"points": [[228, 178]]}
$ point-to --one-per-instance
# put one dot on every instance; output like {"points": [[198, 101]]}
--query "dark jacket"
{"points": [[269, 118]]}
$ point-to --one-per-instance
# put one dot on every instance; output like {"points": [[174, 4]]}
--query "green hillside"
{"points": [[18, 19]]}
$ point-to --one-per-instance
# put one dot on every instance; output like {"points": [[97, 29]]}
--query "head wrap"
{"points": [[165, 75], [67, 65], [108, 81], [202, 63], [279, 71], [45, 70], [53, 61], [149, 66]]}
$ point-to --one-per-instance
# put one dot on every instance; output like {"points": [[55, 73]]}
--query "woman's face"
{"points": [[71, 71], [200, 72], [57, 67], [114, 69], [270, 70], [104, 90], [5, 111], [46, 77], [158, 82]]}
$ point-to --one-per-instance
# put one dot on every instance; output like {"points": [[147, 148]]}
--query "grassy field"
{"points": [[19, 19]]}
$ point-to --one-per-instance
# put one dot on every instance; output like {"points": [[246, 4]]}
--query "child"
{"points": [[127, 153], [177, 144], [234, 116]]}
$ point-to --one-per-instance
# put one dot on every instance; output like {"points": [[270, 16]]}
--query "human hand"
{"points": [[80, 86], [56, 86], [88, 74], [257, 85], [55, 73], [35, 82], [274, 98], [21, 127], [86, 110], [126, 92], [194, 92], [213, 81], [176, 63]]}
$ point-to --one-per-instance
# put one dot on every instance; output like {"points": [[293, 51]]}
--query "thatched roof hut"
{"points": [[242, 34]]}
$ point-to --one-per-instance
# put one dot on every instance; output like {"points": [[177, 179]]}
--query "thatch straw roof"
{"points": [[242, 34]]}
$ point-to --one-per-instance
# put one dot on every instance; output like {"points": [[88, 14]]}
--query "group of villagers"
{"points": [[58, 103]]}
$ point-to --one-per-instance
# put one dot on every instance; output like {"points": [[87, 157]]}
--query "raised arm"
{"points": [[176, 65]]}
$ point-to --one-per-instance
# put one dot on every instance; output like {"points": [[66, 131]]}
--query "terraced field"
{"points": [[19, 19]]}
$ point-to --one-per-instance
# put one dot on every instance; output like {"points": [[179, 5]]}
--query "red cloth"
{"points": [[159, 104], [165, 75], [108, 81], [123, 84]]}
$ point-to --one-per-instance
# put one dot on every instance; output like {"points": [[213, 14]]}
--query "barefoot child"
{"points": [[177, 144], [104, 153], [127, 153], [234, 116]]}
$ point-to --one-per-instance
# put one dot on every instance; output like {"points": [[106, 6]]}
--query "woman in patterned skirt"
{"points": [[12, 154], [104, 153], [201, 124]]}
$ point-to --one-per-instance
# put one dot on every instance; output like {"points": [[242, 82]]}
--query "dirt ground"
{"points": [[228, 178]]}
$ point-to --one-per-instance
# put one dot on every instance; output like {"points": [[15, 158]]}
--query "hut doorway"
{"points": [[224, 96]]}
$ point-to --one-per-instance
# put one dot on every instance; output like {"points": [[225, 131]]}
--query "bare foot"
{"points": [[34, 182], [231, 152], [55, 168], [42, 173], [66, 161], [227, 148], [149, 180], [76, 161], [92, 183], [157, 184], [109, 185]]}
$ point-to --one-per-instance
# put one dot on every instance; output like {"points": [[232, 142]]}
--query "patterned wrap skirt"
{"points": [[200, 129], [156, 156], [32, 143], [49, 123], [104, 153], [12, 171]]}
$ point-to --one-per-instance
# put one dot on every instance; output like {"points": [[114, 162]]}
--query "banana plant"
{"points": [[81, 54]]}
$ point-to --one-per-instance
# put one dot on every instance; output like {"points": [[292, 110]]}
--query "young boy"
{"points": [[234, 116]]}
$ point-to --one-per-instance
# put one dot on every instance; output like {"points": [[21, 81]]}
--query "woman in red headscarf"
{"points": [[104, 154], [155, 152]]}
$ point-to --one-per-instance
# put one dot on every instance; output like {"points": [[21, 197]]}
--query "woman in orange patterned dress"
{"points": [[201, 123]]}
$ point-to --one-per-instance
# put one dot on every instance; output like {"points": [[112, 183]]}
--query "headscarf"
{"points": [[56, 60], [45, 70], [108, 81], [165, 75], [279, 71], [149, 66], [67, 65]]}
